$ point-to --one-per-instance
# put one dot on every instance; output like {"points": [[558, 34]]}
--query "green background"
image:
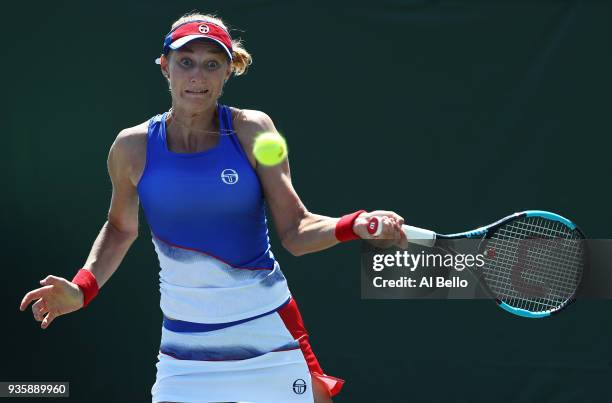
{"points": [[453, 114]]}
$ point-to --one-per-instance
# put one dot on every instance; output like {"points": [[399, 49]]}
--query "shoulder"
{"points": [[131, 137], [128, 151], [251, 122], [248, 124]]}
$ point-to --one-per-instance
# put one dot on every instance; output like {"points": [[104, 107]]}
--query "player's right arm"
{"points": [[58, 296]]}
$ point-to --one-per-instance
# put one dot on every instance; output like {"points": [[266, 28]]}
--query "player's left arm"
{"points": [[299, 230]]}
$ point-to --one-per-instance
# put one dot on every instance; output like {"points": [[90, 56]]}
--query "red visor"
{"points": [[191, 30]]}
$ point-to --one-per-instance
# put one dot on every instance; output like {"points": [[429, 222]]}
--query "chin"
{"points": [[198, 102]]}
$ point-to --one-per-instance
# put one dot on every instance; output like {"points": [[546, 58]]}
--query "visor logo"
{"points": [[203, 29]]}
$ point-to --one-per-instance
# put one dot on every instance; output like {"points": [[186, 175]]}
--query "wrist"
{"points": [[87, 284], [81, 296], [344, 227]]}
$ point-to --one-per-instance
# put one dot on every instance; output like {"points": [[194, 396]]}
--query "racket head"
{"points": [[534, 262]]}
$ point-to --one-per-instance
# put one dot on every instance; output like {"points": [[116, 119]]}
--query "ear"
{"points": [[228, 73], [164, 66]]}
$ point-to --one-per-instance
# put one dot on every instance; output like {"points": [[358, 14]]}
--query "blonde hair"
{"points": [[241, 59]]}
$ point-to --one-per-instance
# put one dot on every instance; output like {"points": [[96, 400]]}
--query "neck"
{"points": [[186, 124]]}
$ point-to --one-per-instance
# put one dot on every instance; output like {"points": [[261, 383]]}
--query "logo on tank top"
{"points": [[229, 176], [299, 386]]}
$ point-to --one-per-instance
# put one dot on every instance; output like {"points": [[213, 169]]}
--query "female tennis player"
{"points": [[231, 330]]}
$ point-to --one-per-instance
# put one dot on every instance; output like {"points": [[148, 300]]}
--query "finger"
{"points": [[47, 320], [397, 232], [388, 228], [32, 295], [403, 243], [390, 214], [38, 317], [395, 227], [43, 305], [399, 228], [382, 213], [397, 217], [400, 240], [37, 312], [51, 280], [38, 306]]}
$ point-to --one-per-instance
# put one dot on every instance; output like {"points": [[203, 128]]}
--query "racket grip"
{"points": [[419, 236], [416, 235]]}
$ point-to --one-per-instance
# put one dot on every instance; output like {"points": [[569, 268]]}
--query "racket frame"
{"points": [[427, 238]]}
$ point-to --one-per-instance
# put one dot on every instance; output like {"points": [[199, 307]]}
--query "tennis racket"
{"points": [[533, 260]]}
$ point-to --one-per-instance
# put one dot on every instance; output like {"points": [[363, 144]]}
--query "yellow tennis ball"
{"points": [[270, 148]]}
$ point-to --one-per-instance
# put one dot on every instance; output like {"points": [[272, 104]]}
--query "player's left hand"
{"points": [[391, 235]]}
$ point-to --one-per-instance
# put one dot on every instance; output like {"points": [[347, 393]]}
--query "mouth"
{"points": [[196, 92]]}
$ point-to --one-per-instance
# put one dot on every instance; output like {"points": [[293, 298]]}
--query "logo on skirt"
{"points": [[299, 386]]}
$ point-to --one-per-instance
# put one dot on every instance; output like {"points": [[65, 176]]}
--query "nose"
{"points": [[199, 74]]}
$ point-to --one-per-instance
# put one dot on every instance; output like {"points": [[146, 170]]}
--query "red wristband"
{"points": [[88, 284], [344, 227]]}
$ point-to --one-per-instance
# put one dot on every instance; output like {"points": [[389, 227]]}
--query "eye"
{"points": [[186, 62], [212, 65]]}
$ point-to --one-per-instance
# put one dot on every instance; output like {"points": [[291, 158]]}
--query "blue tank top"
{"points": [[210, 201]]}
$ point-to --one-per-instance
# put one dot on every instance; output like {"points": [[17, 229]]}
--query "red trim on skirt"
{"points": [[294, 323]]}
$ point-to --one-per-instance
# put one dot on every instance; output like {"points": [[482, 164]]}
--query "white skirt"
{"points": [[267, 359]]}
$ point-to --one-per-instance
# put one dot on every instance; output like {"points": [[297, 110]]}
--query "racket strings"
{"points": [[540, 258], [558, 289], [537, 263]]}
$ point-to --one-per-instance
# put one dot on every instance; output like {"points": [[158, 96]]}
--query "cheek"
{"points": [[218, 78], [177, 74]]}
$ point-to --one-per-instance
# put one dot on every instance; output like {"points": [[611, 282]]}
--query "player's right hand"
{"points": [[391, 225], [56, 297]]}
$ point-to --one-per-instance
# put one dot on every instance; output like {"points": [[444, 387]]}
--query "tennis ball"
{"points": [[270, 148]]}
